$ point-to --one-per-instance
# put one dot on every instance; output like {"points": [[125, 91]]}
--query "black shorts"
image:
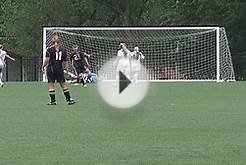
{"points": [[81, 69], [54, 75]]}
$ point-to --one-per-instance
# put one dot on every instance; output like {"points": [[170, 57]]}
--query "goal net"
{"points": [[171, 53]]}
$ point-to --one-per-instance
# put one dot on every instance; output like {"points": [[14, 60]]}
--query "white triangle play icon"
{"points": [[116, 87]]}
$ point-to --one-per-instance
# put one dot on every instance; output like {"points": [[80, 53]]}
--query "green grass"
{"points": [[177, 123]]}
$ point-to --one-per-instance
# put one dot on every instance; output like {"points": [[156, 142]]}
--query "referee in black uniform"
{"points": [[55, 64]]}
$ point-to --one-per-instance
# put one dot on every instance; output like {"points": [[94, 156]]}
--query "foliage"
{"points": [[23, 20]]}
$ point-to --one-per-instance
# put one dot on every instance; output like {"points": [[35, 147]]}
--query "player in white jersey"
{"points": [[3, 54], [123, 60], [137, 56]]}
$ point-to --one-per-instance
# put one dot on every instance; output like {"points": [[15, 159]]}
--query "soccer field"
{"points": [[177, 123]]}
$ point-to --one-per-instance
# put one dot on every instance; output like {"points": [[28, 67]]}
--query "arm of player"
{"points": [[141, 56], [87, 55], [46, 60], [8, 56], [45, 63], [72, 60], [72, 63], [86, 61], [65, 65]]}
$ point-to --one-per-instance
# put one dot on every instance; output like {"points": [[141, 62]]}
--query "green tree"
{"points": [[23, 19], [230, 14]]}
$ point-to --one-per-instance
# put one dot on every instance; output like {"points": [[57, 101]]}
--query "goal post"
{"points": [[44, 46], [217, 54], [171, 53]]}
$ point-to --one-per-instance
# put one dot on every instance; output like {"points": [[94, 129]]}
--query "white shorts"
{"points": [[123, 66], [135, 66], [2, 65]]}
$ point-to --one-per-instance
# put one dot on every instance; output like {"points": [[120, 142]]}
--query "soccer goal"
{"points": [[171, 53]]}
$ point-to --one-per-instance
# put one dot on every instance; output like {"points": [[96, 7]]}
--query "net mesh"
{"points": [[170, 54]]}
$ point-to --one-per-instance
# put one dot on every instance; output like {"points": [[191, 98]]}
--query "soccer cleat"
{"points": [[51, 103], [70, 102], [84, 85]]}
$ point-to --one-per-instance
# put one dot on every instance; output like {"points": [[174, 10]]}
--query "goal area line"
{"points": [[166, 81]]}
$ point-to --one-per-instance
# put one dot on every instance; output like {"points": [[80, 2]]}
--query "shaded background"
{"points": [[21, 22]]}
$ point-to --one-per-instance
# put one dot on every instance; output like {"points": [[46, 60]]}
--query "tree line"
{"points": [[21, 21]]}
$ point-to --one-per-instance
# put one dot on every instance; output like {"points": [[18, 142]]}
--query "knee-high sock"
{"points": [[52, 95], [67, 94]]}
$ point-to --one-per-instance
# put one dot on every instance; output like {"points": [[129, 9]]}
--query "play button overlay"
{"points": [[123, 82], [122, 88]]}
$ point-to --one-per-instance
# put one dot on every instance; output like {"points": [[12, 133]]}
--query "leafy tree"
{"points": [[22, 20]]}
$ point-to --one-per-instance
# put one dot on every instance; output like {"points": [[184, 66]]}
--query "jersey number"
{"points": [[58, 56], [76, 58]]}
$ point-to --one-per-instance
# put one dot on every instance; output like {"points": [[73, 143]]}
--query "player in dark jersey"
{"points": [[80, 63], [55, 64]]}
